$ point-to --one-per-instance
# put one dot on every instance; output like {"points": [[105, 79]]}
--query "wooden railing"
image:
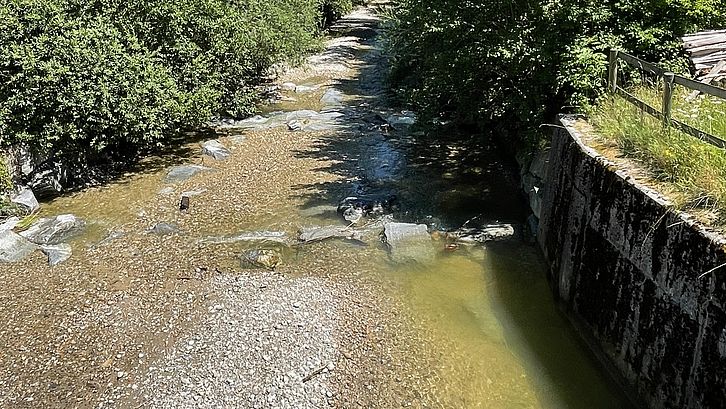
{"points": [[669, 81]]}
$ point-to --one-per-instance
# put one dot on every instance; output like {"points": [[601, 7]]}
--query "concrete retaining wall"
{"points": [[626, 270]]}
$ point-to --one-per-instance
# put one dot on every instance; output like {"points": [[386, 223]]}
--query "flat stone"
{"points": [[164, 229], [408, 242], [26, 198], [14, 247], [304, 89], [54, 230], [316, 234], [57, 253], [485, 234], [332, 97], [255, 236], [216, 150], [181, 173], [288, 86]]}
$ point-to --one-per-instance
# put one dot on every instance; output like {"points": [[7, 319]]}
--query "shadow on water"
{"points": [[487, 304]]}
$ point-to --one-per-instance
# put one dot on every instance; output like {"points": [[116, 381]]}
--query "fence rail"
{"points": [[669, 81]]}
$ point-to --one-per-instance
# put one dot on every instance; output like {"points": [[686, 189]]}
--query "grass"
{"points": [[693, 169]]}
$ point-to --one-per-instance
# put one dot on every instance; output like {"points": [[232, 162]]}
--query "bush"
{"points": [[516, 64], [88, 79]]}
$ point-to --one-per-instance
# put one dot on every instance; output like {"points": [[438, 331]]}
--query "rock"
{"points": [[26, 198], [354, 208], [288, 86], [332, 97], [401, 121], [265, 258], [315, 234], [256, 236], [10, 223], [485, 234], [166, 191], [54, 230], [164, 229], [57, 253], [14, 247], [304, 89], [237, 139], [295, 125], [408, 242], [216, 150], [184, 172]]}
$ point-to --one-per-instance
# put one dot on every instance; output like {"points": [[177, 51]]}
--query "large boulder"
{"points": [[409, 242], [54, 230], [27, 199], [14, 247]]}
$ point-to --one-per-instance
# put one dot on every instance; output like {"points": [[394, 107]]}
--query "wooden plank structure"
{"points": [[707, 50], [669, 79]]}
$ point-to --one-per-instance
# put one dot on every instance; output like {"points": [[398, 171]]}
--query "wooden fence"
{"points": [[669, 81]]}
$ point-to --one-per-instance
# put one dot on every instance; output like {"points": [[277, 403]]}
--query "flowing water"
{"points": [[486, 328]]}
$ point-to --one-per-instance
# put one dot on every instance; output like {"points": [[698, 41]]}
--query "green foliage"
{"points": [[517, 63], [6, 182], [694, 171], [82, 79]]}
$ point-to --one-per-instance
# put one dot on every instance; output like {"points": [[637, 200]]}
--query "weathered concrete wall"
{"points": [[627, 272]]}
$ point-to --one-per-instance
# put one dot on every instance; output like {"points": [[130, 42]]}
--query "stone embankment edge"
{"points": [[628, 270]]}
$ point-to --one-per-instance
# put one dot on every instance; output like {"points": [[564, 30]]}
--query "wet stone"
{"points": [[332, 97], [316, 234], [401, 121], [10, 223], [485, 234], [354, 208], [216, 150], [57, 253], [265, 258], [54, 230], [255, 236], [14, 247], [27, 199], [164, 229], [408, 242], [181, 173]]}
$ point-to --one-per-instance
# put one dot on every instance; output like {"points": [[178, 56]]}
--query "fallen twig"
{"points": [[315, 373]]}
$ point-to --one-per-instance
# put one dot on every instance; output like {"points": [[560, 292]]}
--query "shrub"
{"points": [[89, 79], [516, 64]]}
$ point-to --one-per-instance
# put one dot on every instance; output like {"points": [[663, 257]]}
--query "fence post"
{"points": [[613, 71], [667, 97]]}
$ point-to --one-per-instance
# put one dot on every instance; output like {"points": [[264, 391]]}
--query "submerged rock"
{"points": [[54, 230], [316, 234], [216, 150], [184, 172], [255, 236], [401, 121], [27, 199], [164, 229], [408, 242], [265, 258], [14, 247], [355, 208], [57, 253], [332, 97]]}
